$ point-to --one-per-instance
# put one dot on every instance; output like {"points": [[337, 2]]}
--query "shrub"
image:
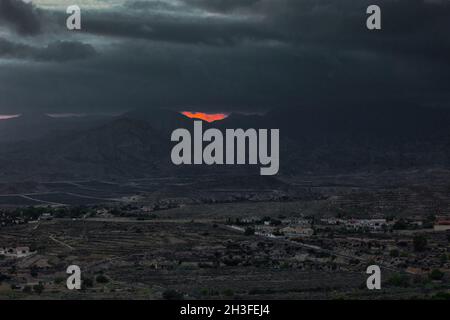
{"points": [[399, 280], [394, 253], [228, 292], [441, 296], [34, 271], [102, 279], [172, 295], [420, 243], [59, 280], [88, 282]]}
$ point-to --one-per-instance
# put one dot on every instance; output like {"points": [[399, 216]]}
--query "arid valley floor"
{"points": [[295, 239]]}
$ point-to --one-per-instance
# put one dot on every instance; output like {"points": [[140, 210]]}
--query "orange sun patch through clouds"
{"points": [[208, 117]]}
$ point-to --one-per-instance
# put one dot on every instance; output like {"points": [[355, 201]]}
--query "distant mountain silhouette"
{"points": [[32, 126], [162, 120], [313, 141]]}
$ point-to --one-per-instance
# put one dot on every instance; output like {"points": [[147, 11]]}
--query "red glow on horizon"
{"points": [[208, 117]]}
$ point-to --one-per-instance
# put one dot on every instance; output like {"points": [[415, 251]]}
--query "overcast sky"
{"points": [[220, 55]]}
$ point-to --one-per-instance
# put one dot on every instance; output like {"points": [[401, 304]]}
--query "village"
{"points": [[163, 249]]}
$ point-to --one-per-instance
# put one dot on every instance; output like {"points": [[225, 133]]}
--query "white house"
{"points": [[18, 252]]}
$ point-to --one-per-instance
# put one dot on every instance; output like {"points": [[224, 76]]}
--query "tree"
{"points": [[38, 288], [249, 231], [399, 280], [275, 222], [436, 274], [420, 243], [34, 271], [400, 224], [87, 282], [4, 277], [394, 253], [26, 289], [102, 279]]}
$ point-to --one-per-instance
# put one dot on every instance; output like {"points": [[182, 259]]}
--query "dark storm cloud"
{"points": [[221, 5], [149, 5], [411, 27], [226, 55], [65, 51], [212, 31], [59, 51], [21, 16]]}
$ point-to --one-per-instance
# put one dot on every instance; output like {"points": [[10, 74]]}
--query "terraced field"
{"points": [[190, 257]]}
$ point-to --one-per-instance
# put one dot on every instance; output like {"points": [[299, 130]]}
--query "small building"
{"points": [[102, 211], [330, 221], [18, 252], [296, 222], [294, 231], [251, 220], [371, 224], [147, 208], [442, 224], [46, 217]]}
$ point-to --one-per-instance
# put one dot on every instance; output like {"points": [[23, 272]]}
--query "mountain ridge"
{"points": [[313, 141]]}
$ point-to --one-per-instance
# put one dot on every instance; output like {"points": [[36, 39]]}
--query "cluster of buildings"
{"points": [[46, 217], [293, 231], [7, 219], [288, 227], [358, 224], [441, 223], [300, 226], [18, 252]]}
